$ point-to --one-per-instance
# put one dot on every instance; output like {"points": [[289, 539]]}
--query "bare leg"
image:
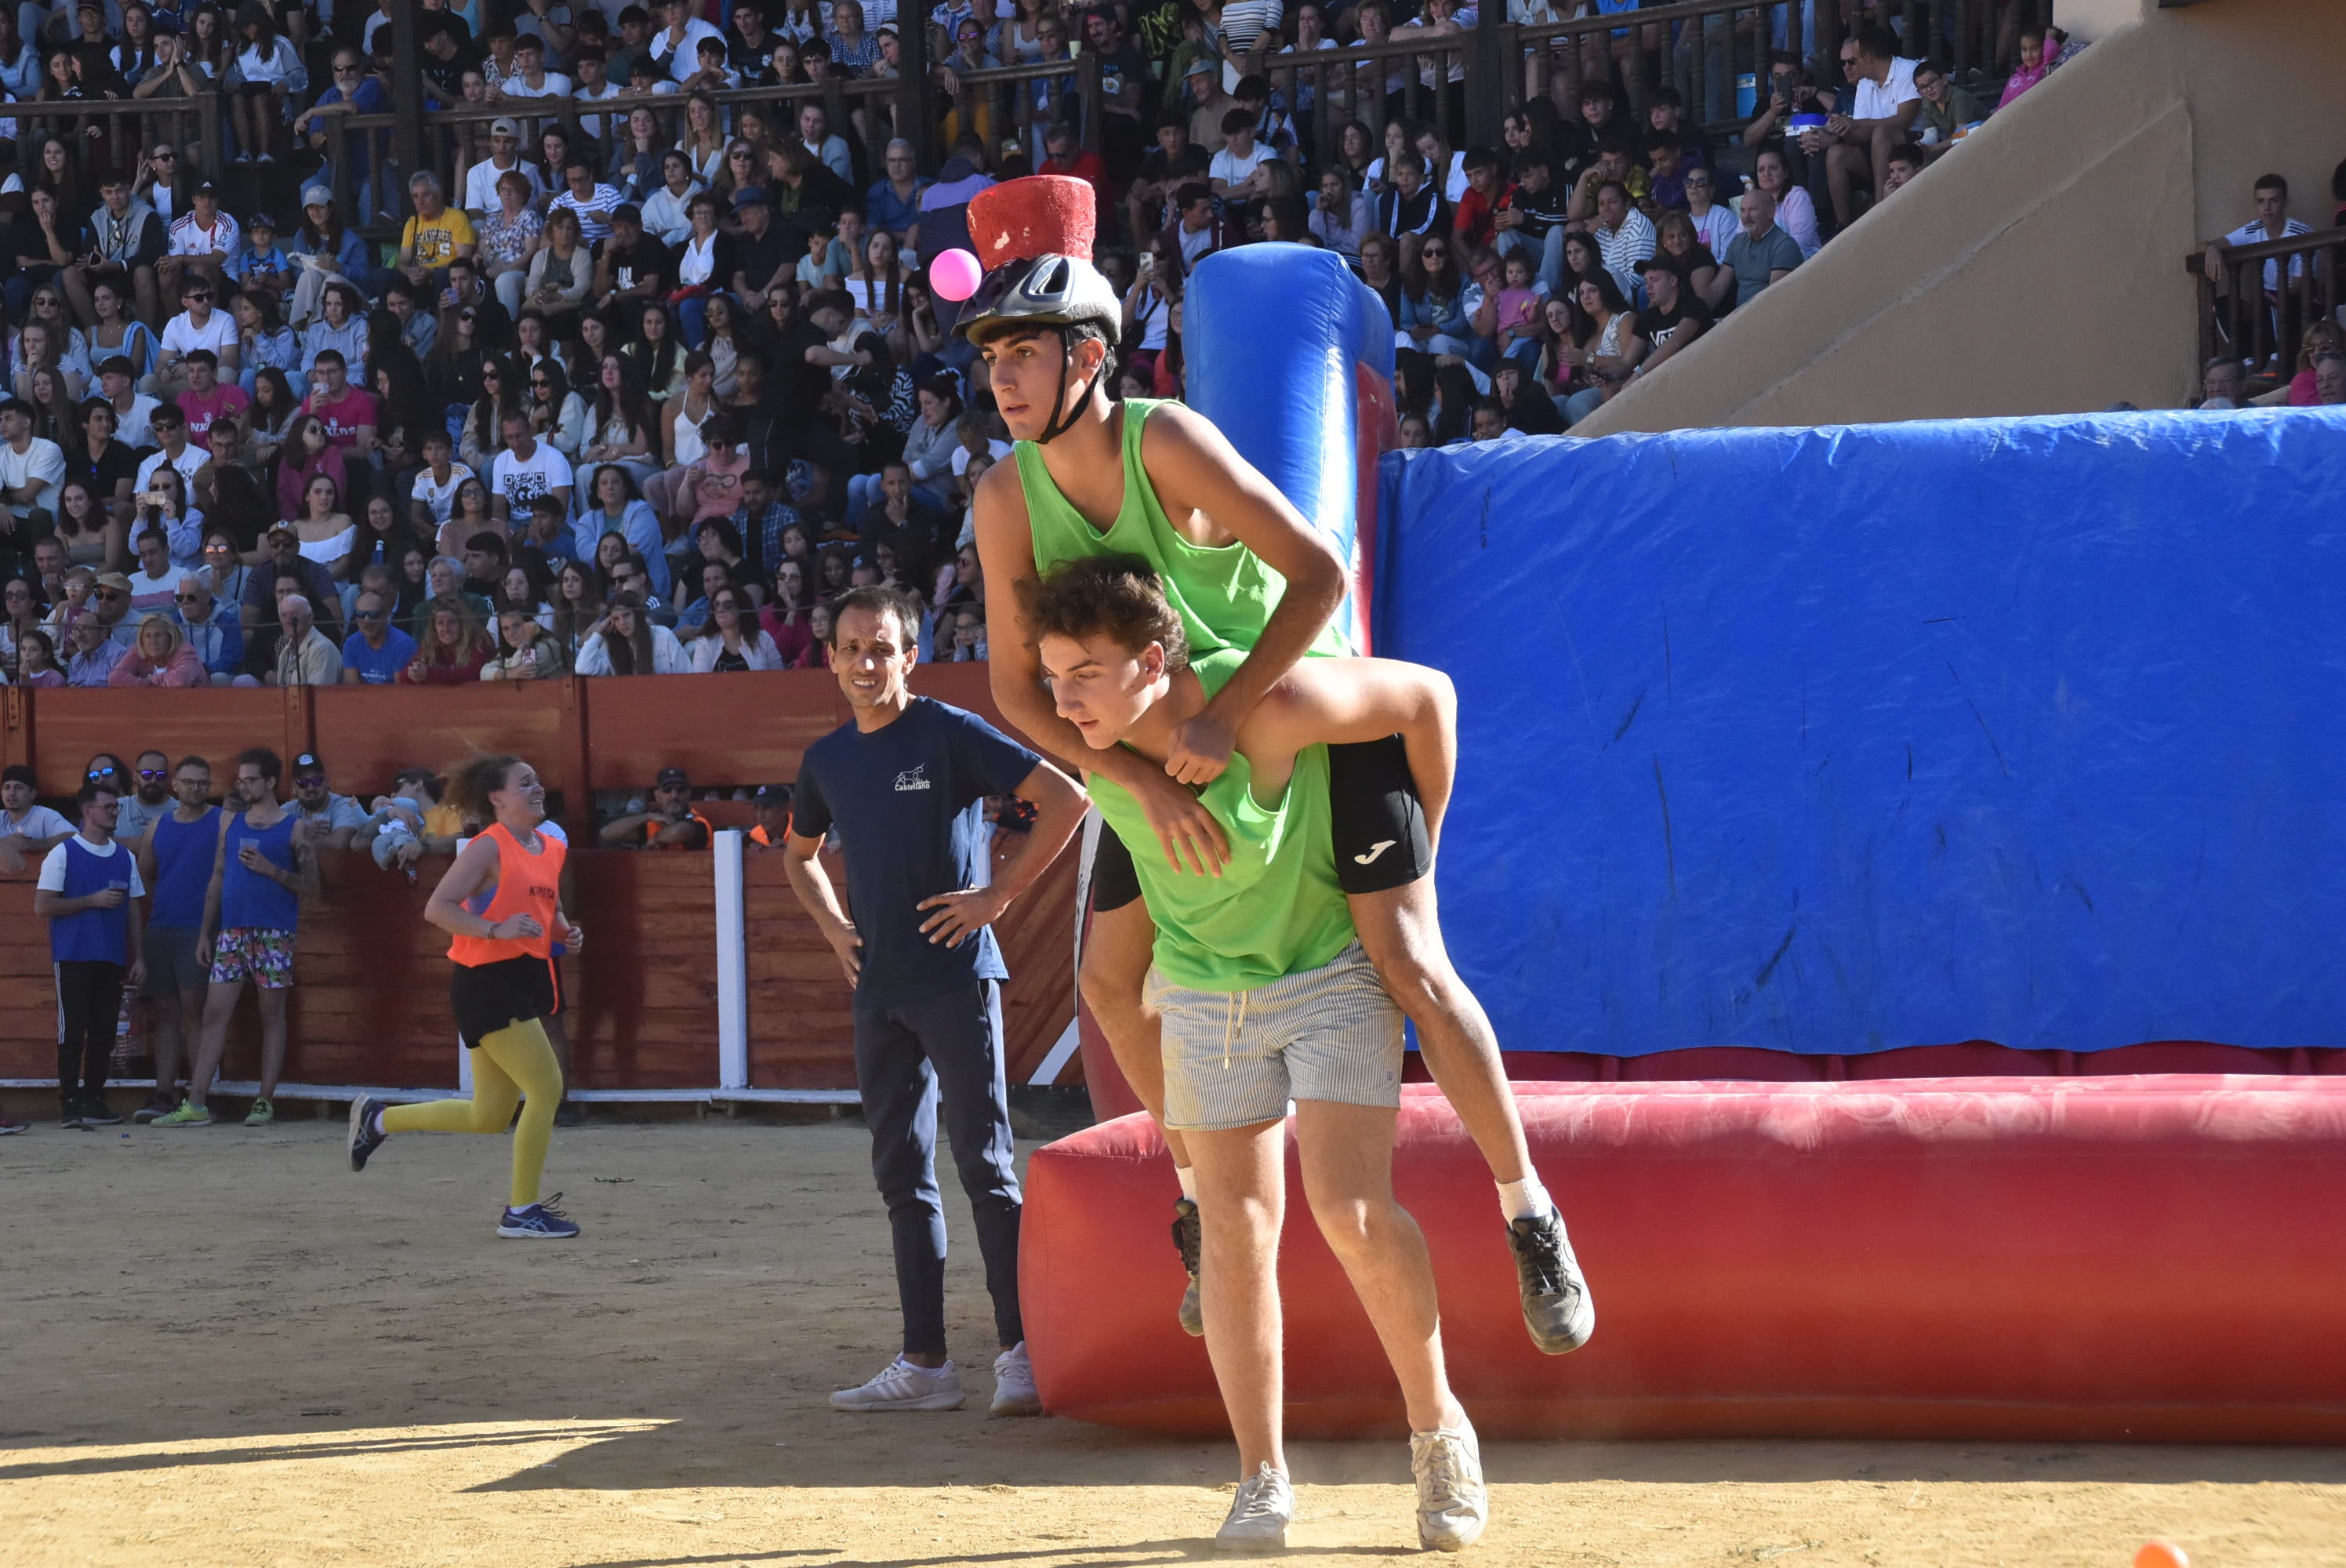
{"points": [[1841, 163], [1400, 931], [219, 1005], [272, 1039], [1348, 1179], [1116, 967], [1242, 1188]]}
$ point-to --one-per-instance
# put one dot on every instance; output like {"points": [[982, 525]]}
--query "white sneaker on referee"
{"points": [[1014, 1384], [902, 1386]]}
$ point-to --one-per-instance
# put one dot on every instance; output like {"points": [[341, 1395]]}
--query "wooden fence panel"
{"points": [[745, 728], [646, 985], [67, 727], [367, 733]]}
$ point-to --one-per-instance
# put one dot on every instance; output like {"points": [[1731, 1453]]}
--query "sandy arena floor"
{"points": [[221, 1348]]}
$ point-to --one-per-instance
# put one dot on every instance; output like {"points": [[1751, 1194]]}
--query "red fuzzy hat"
{"points": [[1036, 215]]}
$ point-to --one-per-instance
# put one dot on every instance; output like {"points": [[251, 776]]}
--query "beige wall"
{"points": [[2038, 268]]}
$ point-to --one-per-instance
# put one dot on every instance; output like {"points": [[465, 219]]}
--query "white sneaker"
{"points": [[1453, 1504], [902, 1386], [1014, 1384], [1260, 1513]]}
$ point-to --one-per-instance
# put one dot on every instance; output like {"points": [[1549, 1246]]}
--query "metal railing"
{"points": [[2264, 295], [1706, 45], [867, 110], [1423, 77]]}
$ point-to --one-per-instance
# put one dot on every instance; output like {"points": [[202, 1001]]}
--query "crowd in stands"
{"points": [[643, 394]]}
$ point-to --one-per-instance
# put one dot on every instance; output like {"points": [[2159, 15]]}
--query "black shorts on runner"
{"points": [[487, 997], [1376, 820]]}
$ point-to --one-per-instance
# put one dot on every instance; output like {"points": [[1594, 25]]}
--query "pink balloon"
{"points": [[954, 275]]}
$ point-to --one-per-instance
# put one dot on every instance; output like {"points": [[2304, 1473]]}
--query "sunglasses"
{"points": [[369, 615], [154, 773], [111, 594], [311, 782], [188, 598], [166, 156]]}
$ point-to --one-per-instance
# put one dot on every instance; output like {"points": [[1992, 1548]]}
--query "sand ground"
{"points": [[221, 1348]]}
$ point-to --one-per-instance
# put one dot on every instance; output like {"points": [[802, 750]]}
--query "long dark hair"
{"points": [[628, 402]]}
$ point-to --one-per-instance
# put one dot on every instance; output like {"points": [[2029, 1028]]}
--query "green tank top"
{"points": [[1224, 594], [1277, 909]]}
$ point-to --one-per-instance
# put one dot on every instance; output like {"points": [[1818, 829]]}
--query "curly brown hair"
{"points": [[1120, 596]]}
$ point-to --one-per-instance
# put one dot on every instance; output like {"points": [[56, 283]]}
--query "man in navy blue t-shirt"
{"points": [[905, 786]]}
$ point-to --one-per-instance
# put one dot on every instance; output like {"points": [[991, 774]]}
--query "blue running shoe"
{"points": [[538, 1222], [364, 1139]]}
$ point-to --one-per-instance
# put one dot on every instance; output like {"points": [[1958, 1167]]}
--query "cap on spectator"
{"points": [[308, 762], [1201, 66], [261, 221], [751, 196], [1036, 215], [669, 776], [772, 795], [503, 127], [277, 529], [114, 580], [17, 773], [116, 365], [317, 196], [97, 5], [205, 187], [628, 212]]}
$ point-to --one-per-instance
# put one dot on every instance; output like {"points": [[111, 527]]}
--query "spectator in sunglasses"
{"points": [[149, 798]]}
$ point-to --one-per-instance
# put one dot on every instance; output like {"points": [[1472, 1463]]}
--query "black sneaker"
{"points": [[1189, 1236], [97, 1113], [363, 1139], [1558, 1309], [570, 1113], [69, 1113]]}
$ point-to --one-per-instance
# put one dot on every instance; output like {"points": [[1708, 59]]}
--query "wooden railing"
{"points": [[1371, 82], [125, 128], [2240, 315], [583, 733], [370, 1006]]}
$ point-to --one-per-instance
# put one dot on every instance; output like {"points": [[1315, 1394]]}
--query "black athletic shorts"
{"points": [[1377, 821], [487, 997]]}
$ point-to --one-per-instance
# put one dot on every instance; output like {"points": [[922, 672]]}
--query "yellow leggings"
{"points": [[514, 1062]]}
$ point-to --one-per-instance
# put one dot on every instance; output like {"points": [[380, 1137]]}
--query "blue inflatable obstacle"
{"points": [[1292, 358], [1839, 739]]}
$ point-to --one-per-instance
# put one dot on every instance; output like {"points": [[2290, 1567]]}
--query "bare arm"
{"points": [[1342, 701], [820, 899], [210, 928], [1005, 548], [1194, 468], [471, 873], [1059, 806], [302, 880]]}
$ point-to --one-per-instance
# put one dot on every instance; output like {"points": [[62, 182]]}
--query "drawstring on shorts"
{"points": [[1233, 1021]]}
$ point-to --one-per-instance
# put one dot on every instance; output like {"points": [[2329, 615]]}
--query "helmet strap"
{"points": [[1064, 414]]}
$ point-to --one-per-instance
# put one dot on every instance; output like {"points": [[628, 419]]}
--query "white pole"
{"points": [[732, 965]]}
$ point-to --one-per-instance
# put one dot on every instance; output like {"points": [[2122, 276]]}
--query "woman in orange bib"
{"points": [[503, 989]]}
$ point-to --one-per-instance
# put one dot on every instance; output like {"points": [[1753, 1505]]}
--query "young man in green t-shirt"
{"points": [[1244, 570], [1266, 997]]}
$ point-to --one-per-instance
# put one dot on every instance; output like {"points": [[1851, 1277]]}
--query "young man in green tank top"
{"points": [[1245, 570], [1266, 996]]}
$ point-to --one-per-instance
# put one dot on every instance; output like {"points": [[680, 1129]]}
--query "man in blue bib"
{"points": [[88, 893]]}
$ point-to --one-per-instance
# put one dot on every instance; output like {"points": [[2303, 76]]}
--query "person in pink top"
{"points": [[2035, 65], [711, 485], [161, 657], [308, 452], [347, 412], [208, 398]]}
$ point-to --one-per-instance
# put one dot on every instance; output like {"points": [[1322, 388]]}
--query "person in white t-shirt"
{"points": [[434, 489], [196, 326], [527, 469], [31, 468], [1237, 171], [1857, 145]]}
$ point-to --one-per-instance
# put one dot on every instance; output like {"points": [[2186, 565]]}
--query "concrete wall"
{"points": [[2038, 268]]}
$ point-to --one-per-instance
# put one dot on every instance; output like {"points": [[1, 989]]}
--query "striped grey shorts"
{"points": [[1236, 1058]]}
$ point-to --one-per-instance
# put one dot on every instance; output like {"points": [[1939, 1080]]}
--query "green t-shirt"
{"points": [[1224, 594], [1277, 908]]}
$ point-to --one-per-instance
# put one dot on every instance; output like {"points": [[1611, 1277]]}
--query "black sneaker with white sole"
{"points": [[97, 1113], [364, 1139], [1558, 1309]]}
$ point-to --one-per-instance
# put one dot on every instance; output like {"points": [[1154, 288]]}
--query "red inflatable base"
{"points": [[2114, 1259]]}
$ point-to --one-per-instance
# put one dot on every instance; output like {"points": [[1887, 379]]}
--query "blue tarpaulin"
{"points": [[1840, 739]]}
